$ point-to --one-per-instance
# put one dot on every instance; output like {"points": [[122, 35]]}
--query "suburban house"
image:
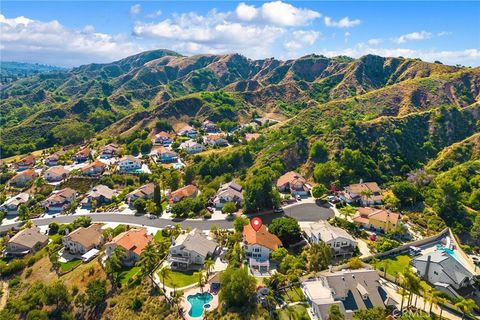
{"points": [[228, 192], [94, 168], [443, 270], [351, 290], [25, 163], [55, 174], [215, 140], [101, 194], [341, 242], [209, 127], [292, 182], [258, 246], [188, 131], [129, 163], [377, 219], [144, 192], [192, 147], [60, 199], [52, 159], [251, 136], [82, 240], [365, 193], [11, 205], [166, 156], [26, 241], [82, 155], [22, 178], [163, 138], [133, 241], [110, 151], [189, 191], [190, 250]]}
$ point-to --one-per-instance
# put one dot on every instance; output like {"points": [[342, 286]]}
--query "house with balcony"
{"points": [[59, 200], [293, 183], [190, 250], [82, 240], [82, 155], [26, 241], [56, 174], [364, 193], [342, 243], [228, 192], [25, 163], [258, 246], [129, 164], [163, 138], [215, 140], [94, 168], [110, 151], [188, 131], [21, 179], [209, 127], [192, 147], [165, 155]]}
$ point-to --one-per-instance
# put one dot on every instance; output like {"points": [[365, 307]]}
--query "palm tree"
{"points": [[440, 302], [148, 259], [402, 280], [165, 273], [366, 194], [113, 265], [209, 263], [466, 306], [201, 280]]}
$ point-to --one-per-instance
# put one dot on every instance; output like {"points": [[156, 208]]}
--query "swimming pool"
{"points": [[450, 252], [198, 301]]}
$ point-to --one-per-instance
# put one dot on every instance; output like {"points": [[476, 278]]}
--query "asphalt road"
{"points": [[300, 211]]}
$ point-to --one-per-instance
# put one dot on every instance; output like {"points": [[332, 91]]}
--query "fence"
{"points": [[406, 246]]}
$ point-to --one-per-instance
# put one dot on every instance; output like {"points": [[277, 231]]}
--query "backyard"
{"points": [[293, 295], [393, 265], [296, 312], [67, 266], [180, 279], [128, 273]]}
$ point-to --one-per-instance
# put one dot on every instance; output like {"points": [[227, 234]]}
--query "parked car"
{"points": [[278, 210]]}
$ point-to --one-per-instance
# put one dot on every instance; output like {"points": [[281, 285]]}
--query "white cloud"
{"points": [[413, 36], [154, 14], [284, 14], [212, 33], [301, 39], [245, 12], [342, 23], [50, 42], [375, 41], [467, 56], [135, 9]]}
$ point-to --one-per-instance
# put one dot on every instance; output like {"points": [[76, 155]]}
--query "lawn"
{"points": [[293, 295], [394, 265], [67, 266], [296, 312], [158, 236], [181, 279], [127, 273]]}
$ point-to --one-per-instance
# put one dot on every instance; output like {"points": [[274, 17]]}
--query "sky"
{"points": [[71, 33]]}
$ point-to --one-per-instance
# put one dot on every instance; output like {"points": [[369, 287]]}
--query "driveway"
{"points": [[309, 211]]}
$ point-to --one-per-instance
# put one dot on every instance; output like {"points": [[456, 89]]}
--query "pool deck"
{"points": [[186, 305]]}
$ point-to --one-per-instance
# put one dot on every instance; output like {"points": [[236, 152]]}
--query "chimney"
{"points": [[427, 267]]}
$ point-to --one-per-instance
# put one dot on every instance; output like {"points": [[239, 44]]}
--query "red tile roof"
{"points": [[133, 240], [261, 237]]}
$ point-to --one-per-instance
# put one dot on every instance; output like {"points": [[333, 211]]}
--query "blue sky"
{"points": [[71, 33]]}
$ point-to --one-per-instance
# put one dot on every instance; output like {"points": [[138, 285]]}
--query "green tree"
{"points": [[164, 273], [319, 256], [259, 193], [229, 208], [148, 259], [151, 207], [466, 306], [113, 265], [370, 314], [208, 265], [286, 229], [57, 295], [334, 313], [238, 287], [406, 192], [475, 230], [157, 197], [239, 223], [96, 293], [319, 191], [327, 173], [139, 205], [72, 133], [319, 152]]}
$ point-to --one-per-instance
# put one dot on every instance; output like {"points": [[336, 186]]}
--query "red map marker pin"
{"points": [[256, 223]]}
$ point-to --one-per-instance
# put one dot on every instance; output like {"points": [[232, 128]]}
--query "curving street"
{"points": [[300, 211]]}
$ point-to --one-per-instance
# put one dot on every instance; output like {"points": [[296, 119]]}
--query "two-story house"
{"points": [[132, 241], [209, 127], [25, 163], [228, 192], [364, 193], [26, 241], [21, 179], [82, 155], [129, 164], [10, 206], [94, 168], [188, 131], [100, 194], [82, 240], [293, 183], [110, 151], [192, 147], [59, 200], [143, 192], [165, 155], [55, 174], [341, 242], [163, 138], [382, 220], [189, 191], [258, 246], [190, 250]]}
